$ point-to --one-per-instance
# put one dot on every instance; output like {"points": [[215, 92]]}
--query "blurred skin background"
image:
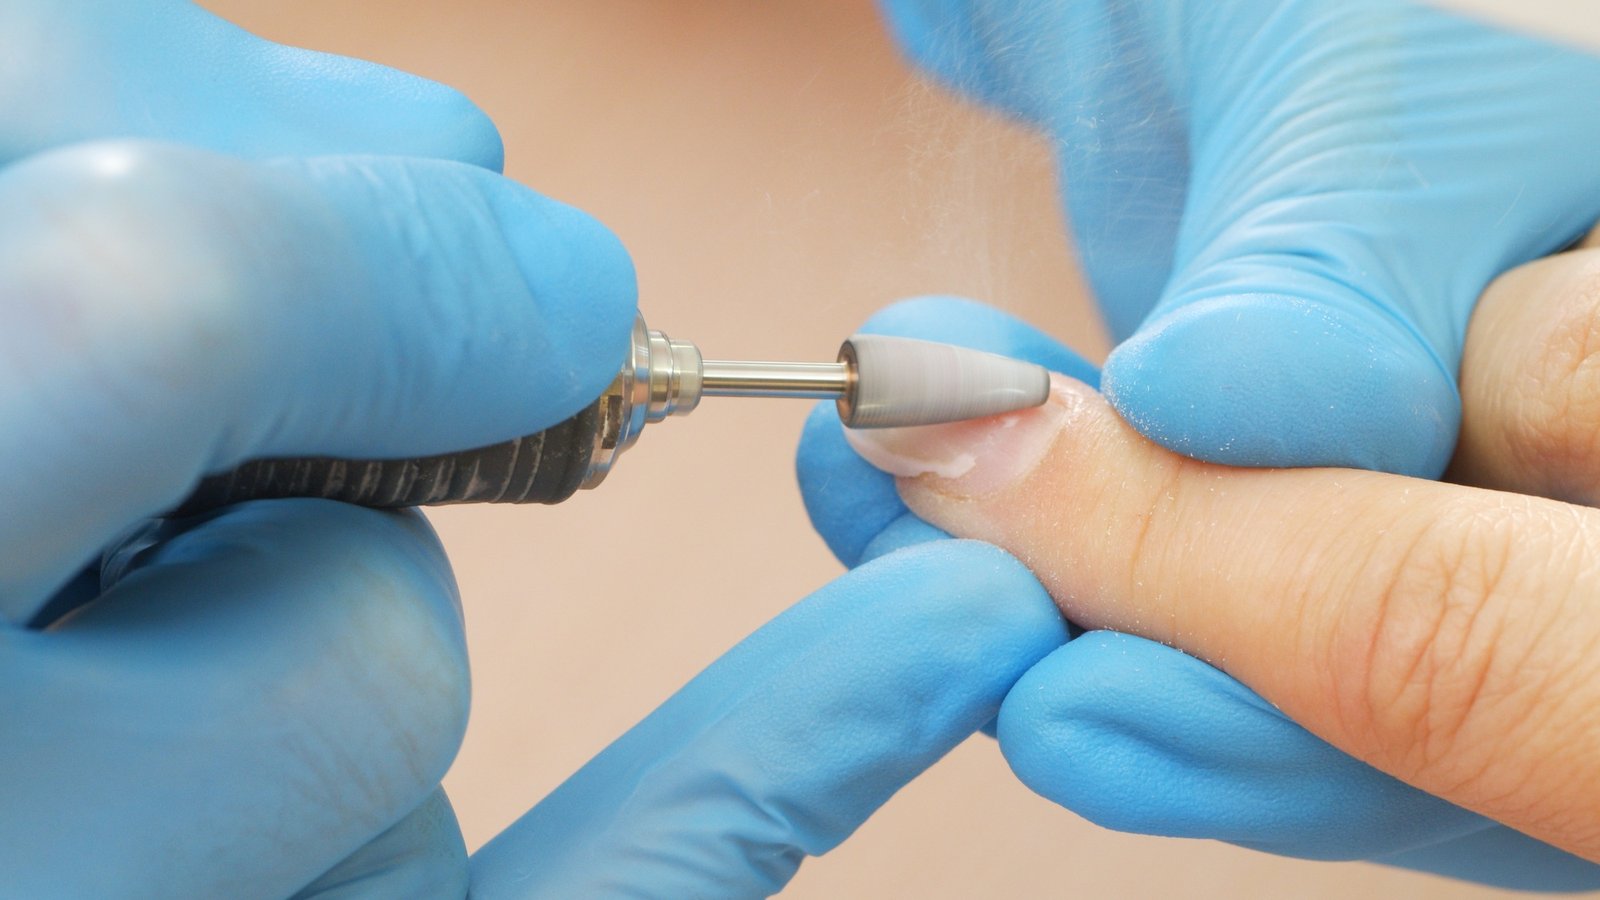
{"points": [[778, 173]]}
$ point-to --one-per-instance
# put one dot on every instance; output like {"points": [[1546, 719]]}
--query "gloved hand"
{"points": [[172, 312], [1287, 208], [234, 705], [1138, 736], [785, 745], [261, 701]]}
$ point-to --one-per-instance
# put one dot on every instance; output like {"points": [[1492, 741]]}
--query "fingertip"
{"points": [[581, 281], [1269, 380], [960, 612], [509, 311], [338, 104], [952, 42], [850, 502], [456, 128], [1078, 729], [988, 597], [470, 136], [1051, 740], [906, 531]]}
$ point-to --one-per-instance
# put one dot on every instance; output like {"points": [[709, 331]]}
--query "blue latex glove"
{"points": [[1287, 208], [785, 745], [261, 702], [80, 70], [1140, 737], [265, 699]]}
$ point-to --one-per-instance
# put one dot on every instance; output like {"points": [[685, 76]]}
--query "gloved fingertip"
{"points": [[1269, 380], [986, 597], [850, 502], [355, 106], [465, 132], [906, 531], [948, 40], [581, 278], [1043, 741]]}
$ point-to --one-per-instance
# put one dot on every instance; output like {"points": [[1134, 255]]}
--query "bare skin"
{"points": [[1448, 634]]}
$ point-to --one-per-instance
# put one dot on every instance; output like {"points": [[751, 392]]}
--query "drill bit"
{"points": [[881, 381], [877, 381]]}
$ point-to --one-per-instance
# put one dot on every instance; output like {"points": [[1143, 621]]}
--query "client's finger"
{"points": [[1530, 381], [1443, 634]]}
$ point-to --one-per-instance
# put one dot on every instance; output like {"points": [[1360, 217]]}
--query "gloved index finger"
{"points": [[783, 747], [172, 312]]}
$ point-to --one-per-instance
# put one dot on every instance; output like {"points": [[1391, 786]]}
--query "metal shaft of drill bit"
{"points": [[737, 378]]}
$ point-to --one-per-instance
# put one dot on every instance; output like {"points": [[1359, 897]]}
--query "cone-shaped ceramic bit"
{"points": [[900, 381], [878, 382]]}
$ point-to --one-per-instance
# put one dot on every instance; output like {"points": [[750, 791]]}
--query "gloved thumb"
{"points": [[1259, 362], [1300, 201], [1342, 216]]}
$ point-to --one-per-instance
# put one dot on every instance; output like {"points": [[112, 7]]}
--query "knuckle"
{"points": [[126, 251], [1435, 683], [1557, 417]]}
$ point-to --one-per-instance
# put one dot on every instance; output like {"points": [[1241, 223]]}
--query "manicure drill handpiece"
{"points": [[878, 381]]}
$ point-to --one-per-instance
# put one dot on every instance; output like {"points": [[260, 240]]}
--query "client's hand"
{"points": [[1442, 633]]}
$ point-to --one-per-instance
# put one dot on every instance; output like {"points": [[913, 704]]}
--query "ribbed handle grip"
{"points": [[547, 467]]}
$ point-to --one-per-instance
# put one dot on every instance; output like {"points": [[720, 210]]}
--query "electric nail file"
{"points": [[878, 382]]}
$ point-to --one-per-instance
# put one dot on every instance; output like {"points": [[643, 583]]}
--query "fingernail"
{"points": [[978, 457]]}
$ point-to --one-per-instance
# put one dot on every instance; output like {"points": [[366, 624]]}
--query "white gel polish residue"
{"points": [[971, 457]]}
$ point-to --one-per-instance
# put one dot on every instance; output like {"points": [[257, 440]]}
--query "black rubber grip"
{"points": [[547, 467]]}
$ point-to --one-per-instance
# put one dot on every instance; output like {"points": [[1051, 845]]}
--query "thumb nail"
{"points": [[975, 458]]}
